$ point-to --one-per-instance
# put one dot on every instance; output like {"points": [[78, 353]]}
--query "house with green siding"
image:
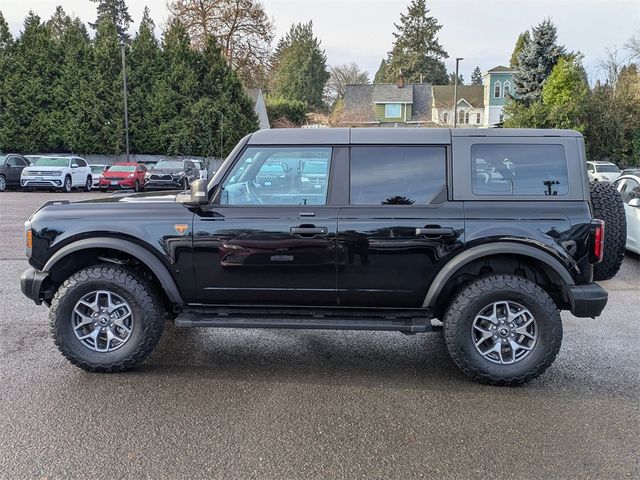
{"points": [[387, 104], [498, 87]]}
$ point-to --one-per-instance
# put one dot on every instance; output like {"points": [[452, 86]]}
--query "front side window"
{"points": [[80, 162], [393, 110], [278, 176], [527, 170], [629, 189], [397, 175], [16, 162]]}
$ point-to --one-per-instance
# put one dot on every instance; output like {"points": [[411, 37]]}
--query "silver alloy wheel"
{"points": [[504, 332], [102, 321], [67, 184], [3, 183]]}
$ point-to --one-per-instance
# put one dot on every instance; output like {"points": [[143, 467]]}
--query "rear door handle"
{"points": [[309, 230], [436, 231]]}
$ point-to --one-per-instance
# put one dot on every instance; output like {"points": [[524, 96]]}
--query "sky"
{"points": [[483, 32]]}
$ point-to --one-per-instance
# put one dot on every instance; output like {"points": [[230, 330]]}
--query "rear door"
{"points": [[399, 226]]}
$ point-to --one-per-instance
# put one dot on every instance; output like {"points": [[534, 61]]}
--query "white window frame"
{"points": [[497, 85], [506, 88]]}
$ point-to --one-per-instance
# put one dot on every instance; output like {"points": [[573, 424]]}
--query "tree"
{"points": [[144, 68], [339, 77], [565, 94], [117, 12], [300, 67], [476, 76], [7, 125], [381, 74], [523, 39], [452, 79], [417, 52], [242, 28], [536, 61]]}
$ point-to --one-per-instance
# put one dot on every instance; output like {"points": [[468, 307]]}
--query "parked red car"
{"points": [[123, 175]]}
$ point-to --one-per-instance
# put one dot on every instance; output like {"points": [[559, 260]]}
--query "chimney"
{"points": [[400, 81]]}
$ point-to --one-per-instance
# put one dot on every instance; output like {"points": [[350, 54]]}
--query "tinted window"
{"points": [[273, 176], [80, 162], [629, 189], [397, 175], [16, 162], [507, 169]]}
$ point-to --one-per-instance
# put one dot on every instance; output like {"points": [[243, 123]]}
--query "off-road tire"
{"points": [[472, 299], [608, 206], [148, 315]]}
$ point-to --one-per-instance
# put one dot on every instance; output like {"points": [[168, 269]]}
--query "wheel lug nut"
{"points": [[495, 336]]}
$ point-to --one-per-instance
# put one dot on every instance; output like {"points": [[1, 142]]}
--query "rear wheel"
{"points": [[106, 319], [608, 206], [503, 330]]}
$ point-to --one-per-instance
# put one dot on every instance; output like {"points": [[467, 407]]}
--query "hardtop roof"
{"points": [[354, 136]]}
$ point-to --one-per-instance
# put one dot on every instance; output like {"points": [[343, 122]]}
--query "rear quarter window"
{"points": [[519, 170]]}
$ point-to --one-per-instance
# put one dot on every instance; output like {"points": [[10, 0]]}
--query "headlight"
{"points": [[178, 174], [131, 175], [147, 175]]}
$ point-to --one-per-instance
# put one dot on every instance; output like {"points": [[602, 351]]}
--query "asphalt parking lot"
{"points": [[311, 404]]}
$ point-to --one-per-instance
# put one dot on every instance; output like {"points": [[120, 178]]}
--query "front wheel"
{"points": [[136, 186], [88, 184], [503, 330], [66, 186], [106, 319], [185, 184], [3, 183]]}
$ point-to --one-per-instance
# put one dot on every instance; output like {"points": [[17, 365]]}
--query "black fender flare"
{"points": [[145, 256], [456, 263]]}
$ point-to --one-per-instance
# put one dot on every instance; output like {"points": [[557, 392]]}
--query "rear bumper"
{"points": [[587, 300], [31, 283]]}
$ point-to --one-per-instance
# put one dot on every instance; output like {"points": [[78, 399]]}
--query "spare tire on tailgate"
{"points": [[608, 206]]}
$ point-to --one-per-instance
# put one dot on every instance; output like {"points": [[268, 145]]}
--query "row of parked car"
{"points": [[65, 173]]}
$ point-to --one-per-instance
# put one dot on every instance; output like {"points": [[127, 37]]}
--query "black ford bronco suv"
{"points": [[485, 234]]}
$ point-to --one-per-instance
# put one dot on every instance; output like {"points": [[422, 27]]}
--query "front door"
{"points": [[399, 226], [269, 235]]}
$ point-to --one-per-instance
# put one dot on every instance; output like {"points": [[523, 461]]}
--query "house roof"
{"points": [[472, 94], [359, 100], [499, 69]]}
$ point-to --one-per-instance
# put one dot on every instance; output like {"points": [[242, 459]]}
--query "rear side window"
{"points": [[512, 170], [397, 175]]}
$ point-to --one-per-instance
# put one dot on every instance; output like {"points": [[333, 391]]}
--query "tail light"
{"points": [[596, 251]]}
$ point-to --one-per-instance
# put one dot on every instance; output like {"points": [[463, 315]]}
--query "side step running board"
{"points": [[331, 322]]}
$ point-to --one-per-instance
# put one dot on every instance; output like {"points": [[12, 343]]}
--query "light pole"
{"points": [[455, 94], [126, 109]]}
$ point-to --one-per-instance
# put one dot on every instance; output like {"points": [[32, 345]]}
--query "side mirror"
{"points": [[196, 196], [74, 165], [634, 202]]}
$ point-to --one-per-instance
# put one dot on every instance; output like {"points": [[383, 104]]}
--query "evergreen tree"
{"points": [[7, 124], [174, 93], [536, 61], [476, 77], [416, 52], [521, 42], [565, 93], [107, 114], [143, 70], [452, 79], [300, 67], [381, 74], [117, 12]]}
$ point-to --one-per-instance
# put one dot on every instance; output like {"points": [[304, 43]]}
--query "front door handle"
{"points": [[309, 230], [436, 231]]}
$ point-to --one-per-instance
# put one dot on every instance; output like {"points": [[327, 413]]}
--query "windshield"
{"points": [[607, 168], [123, 168], [168, 165], [97, 168], [2, 158], [315, 167], [52, 162]]}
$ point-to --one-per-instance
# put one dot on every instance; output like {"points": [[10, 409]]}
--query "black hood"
{"points": [[146, 197]]}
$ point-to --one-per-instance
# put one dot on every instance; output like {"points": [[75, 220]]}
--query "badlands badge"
{"points": [[181, 228]]}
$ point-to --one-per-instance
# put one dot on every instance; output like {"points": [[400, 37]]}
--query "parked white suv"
{"points": [[603, 171], [60, 173]]}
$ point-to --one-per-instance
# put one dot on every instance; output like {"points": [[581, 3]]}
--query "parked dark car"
{"points": [[171, 175], [11, 166], [486, 234], [123, 175]]}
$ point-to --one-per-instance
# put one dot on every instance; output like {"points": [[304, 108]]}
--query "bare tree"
{"points": [[242, 27], [633, 46], [339, 77], [612, 64]]}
